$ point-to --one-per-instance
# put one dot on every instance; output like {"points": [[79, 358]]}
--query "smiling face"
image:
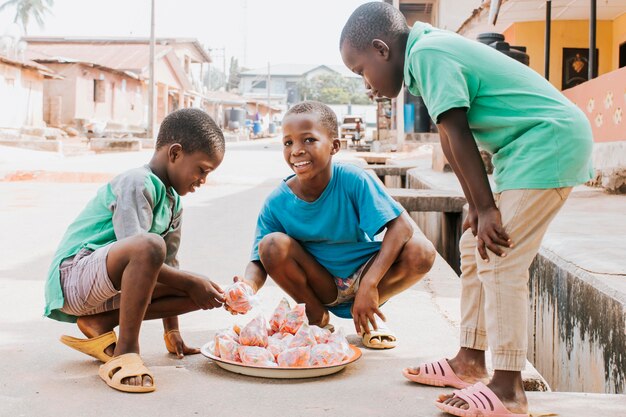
{"points": [[381, 70], [308, 147], [188, 171]]}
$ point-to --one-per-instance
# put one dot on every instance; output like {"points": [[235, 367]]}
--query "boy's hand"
{"points": [[365, 307], [237, 278], [471, 221], [206, 294], [175, 341], [491, 234]]}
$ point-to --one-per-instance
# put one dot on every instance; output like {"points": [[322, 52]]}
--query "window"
{"points": [[99, 90], [259, 84]]}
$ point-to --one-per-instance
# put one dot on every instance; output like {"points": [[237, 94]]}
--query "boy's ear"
{"points": [[381, 47], [174, 152], [336, 146]]}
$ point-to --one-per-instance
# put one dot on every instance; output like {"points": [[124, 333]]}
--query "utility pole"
{"points": [[269, 79], [151, 84]]}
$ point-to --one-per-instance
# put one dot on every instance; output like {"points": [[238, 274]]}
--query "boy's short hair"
{"points": [[326, 115], [375, 20], [194, 130]]}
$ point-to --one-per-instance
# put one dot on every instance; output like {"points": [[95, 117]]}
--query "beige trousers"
{"points": [[494, 294]]}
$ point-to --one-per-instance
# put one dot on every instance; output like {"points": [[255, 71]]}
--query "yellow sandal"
{"points": [[125, 366], [94, 346]]}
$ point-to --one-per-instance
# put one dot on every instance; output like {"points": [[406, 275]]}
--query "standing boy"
{"points": [[316, 233], [117, 265], [541, 145]]}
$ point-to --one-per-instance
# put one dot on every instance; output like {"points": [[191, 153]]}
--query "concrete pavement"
{"points": [[41, 377]]}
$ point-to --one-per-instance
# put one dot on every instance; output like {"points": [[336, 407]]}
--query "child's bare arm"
{"points": [[398, 233], [255, 275], [471, 172], [205, 293]]}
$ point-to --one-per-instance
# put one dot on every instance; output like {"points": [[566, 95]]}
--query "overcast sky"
{"points": [[255, 31]]}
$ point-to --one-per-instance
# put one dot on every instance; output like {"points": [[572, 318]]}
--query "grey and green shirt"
{"points": [[134, 202]]}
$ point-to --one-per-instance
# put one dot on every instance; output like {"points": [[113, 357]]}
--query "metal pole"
{"points": [[152, 84], [592, 41], [546, 70], [269, 79]]}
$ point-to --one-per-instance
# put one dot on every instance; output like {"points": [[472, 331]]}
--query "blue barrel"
{"points": [[256, 127], [272, 128], [409, 118]]}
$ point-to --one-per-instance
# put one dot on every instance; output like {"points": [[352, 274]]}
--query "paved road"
{"points": [[41, 377]]}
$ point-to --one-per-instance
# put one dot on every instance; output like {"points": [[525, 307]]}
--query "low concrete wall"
{"points": [[577, 334], [114, 145], [39, 145]]}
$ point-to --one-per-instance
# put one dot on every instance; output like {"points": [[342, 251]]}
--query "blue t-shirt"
{"points": [[338, 228]]}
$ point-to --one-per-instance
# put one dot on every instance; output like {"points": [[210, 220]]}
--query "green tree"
{"points": [[333, 89], [233, 75], [27, 9], [214, 79]]}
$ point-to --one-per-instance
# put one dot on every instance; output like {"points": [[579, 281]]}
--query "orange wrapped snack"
{"points": [[255, 333], [294, 319], [304, 337], [339, 341], [297, 357], [240, 297], [279, 316], [324, 355], [229, 350], [230, 333], [277, 345], [254, 355], [321, 335]]}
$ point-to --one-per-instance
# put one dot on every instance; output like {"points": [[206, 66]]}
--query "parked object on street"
{"points": [[352, 127]]}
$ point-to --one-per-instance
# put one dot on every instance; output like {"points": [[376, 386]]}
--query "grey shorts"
{"points": [[86, 286], [347, 288]]}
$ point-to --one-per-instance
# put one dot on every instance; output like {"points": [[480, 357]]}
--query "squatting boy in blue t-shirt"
{"points": [[316, 232]]}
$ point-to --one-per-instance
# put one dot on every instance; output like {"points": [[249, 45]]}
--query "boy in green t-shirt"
{"points": [[117, 265], [541, 145]]}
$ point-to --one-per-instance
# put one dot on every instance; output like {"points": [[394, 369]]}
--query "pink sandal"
{"points": [[437, 374], [482, 403]]}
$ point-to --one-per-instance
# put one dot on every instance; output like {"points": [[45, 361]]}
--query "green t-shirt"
{"points": [[538, 138], [134, 202]]}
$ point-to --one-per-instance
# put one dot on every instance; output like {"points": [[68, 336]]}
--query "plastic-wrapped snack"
{"points": [[338, 338], [229, 350], [295, 318], [279, 316], [277, 345], [297, 357], [255, 333], [324, 355], [240, 297], [254, 355], [321, 335], [304, 337], [230, 333]]}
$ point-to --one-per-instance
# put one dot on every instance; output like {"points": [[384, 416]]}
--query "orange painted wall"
{"points": [[619, 37], [603, 100], [564, 34]]}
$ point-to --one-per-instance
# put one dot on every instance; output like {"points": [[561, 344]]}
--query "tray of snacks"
{"points": [[285, 347]]}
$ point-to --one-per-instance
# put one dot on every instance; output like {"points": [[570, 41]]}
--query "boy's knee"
{"points": [[151, 248], [421, 256], [273, 248]]}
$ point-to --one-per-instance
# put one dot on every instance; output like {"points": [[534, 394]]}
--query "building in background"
{"points": [[21, 89], [106, 79], [285, 81]]}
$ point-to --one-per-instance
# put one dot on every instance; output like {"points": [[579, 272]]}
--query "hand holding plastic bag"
{"points": [[240, 298]]}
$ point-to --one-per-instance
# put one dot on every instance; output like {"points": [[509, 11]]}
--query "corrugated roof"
{"points": [[121, 57], [30, 65], [201, 52]]}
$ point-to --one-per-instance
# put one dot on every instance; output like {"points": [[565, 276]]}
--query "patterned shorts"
{"points": [[86, 285], [347, 287]]}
